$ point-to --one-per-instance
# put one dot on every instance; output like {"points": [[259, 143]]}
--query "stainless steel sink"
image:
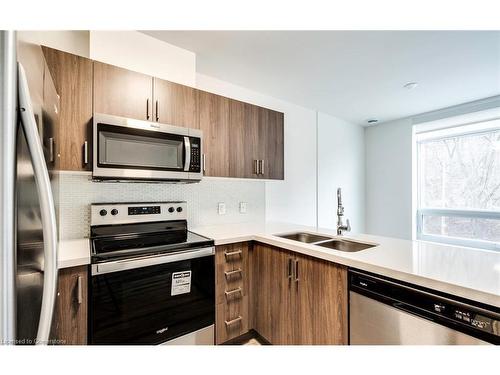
{"points": [[349, 246], [345, 245], [304, 237]]}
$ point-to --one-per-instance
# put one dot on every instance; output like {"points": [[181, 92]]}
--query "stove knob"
{"points": [[114, 212], [103, 212], [170, 209], [179, 209]]}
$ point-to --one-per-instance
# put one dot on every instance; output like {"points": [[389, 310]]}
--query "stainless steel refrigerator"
{"points": [[28, 193]]}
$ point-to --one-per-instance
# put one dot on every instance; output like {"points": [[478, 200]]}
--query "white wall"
{"points": [[140, 52], [389, 179], [294, 199], [72, 41], [341, 163]]}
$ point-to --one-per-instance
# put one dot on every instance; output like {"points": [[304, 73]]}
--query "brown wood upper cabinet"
{"points": [[271, 144], [256, 141], [122, 92], [70, 313], [175, 104], [213, 119], [72, 77], [240, 139], [298, 299]]}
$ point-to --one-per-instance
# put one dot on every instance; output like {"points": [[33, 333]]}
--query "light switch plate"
{"points": [[221, 208], [243, 207]]}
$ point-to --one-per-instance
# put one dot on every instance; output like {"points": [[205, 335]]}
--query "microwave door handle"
{"points": [[187, 150], [47, 208]]}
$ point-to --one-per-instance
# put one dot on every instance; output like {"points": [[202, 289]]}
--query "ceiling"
{"points": [[354, 75]]}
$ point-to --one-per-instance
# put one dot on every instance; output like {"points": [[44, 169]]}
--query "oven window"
{"points": [[142, 306], [132, 148]]}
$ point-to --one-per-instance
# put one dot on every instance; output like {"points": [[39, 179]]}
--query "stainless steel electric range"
{"points": [[153, 281]]}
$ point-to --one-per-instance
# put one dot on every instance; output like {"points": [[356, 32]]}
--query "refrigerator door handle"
{"points": [[47, 208]]}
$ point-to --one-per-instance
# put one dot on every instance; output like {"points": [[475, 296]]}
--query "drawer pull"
{"points": [[231, 322], [85, 153], [233, 292], [232, 273], [79, 294], [296, 271], [290, 272], [233, 253]]}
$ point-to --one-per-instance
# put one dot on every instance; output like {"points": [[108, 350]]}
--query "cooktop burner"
{"points": [[140, 229]]}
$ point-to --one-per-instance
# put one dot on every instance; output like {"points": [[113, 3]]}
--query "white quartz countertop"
{"points": [[72, 253], [466, 272]]}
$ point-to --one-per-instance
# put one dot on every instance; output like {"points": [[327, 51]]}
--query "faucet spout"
{"points": [[340, 212]]}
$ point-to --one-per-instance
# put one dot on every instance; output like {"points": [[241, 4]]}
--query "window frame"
{"points": [[449, 212]]}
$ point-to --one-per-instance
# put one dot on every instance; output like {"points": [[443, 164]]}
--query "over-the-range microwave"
{"points": [[128, 149]]}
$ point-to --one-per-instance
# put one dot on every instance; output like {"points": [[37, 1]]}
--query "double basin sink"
{"points": [[328, 242]]}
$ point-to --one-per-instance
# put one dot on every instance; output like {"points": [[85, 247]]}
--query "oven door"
{"points": [[151, 300], [133, 149]]}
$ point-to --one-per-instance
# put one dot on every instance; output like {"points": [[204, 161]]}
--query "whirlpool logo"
{"points": [[160, 331]]}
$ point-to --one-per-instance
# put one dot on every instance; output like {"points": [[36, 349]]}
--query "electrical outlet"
{"points": [[221, 208], [243, 207]]}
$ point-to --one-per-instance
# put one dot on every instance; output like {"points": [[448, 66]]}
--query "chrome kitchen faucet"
{"points": [[340, 212]]}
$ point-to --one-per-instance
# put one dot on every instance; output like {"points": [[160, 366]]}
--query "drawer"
{"points": [[231, 270], [231, 319]]}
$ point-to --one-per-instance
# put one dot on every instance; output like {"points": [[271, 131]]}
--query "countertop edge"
{"points": [[441, 286]]}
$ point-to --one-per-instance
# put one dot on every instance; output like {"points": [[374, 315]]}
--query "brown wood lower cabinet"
{"points": [[320, 303], [232, 291], [70, 315], [298, 299]]}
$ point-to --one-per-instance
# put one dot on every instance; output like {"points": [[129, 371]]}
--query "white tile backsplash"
{"points": [[78, 191]]}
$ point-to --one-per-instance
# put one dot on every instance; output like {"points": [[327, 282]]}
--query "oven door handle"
{"points": [[187, 150], [129, 264]]}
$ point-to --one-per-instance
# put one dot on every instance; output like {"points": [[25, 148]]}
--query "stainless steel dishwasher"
{"points": [[387, 312]]}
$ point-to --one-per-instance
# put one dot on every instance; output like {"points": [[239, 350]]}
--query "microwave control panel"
{"points": [[195, 165]]}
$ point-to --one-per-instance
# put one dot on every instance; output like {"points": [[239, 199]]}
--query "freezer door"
{"points": [[36, 222]]}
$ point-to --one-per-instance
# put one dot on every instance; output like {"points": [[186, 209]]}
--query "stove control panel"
{"points": [[125, 213], [144, 210]]}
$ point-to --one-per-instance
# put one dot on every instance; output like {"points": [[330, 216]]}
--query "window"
{"points": [[458, 187]]}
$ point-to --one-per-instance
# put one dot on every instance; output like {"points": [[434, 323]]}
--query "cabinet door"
{"points": [[72, 77], [273, 300], [175, 104], [214, 122], [70, 314], [321, 299], [271, 143], [122, 92], [244, 139]]}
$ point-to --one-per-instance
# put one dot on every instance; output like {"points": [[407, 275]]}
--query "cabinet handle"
{"points": [[51, 149], [157, 111], [231, 322], [85, 153], [262, 167], [204, 161], [147, 109], [290, 275], [232, 253], [79, 290], [232, 292], [228, 274], [256, 166], [296, 271]]}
